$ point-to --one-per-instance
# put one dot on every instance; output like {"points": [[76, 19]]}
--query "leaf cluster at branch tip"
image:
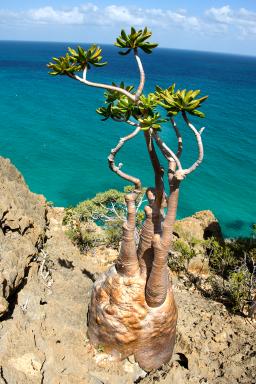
{"points": [[180, 101], [76, 60], [121, 108], [134, 40]]}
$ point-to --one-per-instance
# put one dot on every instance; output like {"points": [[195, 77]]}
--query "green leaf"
{"points": [[81, 50], [133, 31], [136, 39], [193, 105], [150, 45], [121, 42], [197, 113], [146, 50], [125, 53], [72, 51], [144, 37], [123, 34], [203, 99], [100, 64], [195, 93]]}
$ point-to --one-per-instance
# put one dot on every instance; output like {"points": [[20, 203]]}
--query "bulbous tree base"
{"points": [[121, 322]]}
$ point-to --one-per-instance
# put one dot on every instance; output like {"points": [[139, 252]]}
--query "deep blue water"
{"points": [[50, 131]]}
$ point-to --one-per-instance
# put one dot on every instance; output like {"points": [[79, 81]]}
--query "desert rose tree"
{"points": [[132, 309]]}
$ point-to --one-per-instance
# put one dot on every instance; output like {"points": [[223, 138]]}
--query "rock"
{"points": [[3, 306], [212, 345], [22, 230], [199, 226], [44, 341], [192, 231]]}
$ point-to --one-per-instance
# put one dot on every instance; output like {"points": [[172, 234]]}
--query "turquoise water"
{"points": [[51, 133]]}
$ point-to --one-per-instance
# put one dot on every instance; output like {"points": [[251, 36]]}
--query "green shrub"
{"points": [[113, 235], [221, 258], [85, 235], [232, 278], [107, 210], [239, 289], [182, 252], [234, 264]]}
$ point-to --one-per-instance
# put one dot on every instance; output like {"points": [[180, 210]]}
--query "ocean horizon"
{"points": [[51, 132], [86, 43]]}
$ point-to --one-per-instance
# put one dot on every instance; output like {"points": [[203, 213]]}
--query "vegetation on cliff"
{"points": [[231, 264]]}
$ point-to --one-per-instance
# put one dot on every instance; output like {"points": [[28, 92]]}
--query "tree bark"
{"points": [[158, 282], [127, 262]]}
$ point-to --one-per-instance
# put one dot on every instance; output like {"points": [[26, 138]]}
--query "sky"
{"points": [[219, 26]]}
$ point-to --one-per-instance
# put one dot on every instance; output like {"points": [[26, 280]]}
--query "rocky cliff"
{"points": [[45, 290], [22, 232]]}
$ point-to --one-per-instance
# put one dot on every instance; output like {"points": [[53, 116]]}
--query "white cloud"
{"points": [[221, 15], [215, 20], [122, 14], [48, 15], [91, 14], [242, 19]]}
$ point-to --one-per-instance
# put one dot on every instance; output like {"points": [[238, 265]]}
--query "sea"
{"points": [[51, 132]]}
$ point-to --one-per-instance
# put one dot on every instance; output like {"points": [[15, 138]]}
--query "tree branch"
{"points": [[117, 169], [101, 85], [127, 262], [132, 123], [167, 152], [145, 250], [158, 169], [142, 75], [179, 138], [199, 144], [159, 184], [158, 282], [171, 161]]}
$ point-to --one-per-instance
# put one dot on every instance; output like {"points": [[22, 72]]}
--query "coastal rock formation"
{"points": [[43, 338], [194, 230], [22, 231], [199, 226]]}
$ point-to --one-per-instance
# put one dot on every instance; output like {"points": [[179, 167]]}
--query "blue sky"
{"points": [[222, 26]]}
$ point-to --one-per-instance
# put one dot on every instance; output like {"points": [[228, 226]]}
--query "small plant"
{"points": [[238, 289], [221, 259], [85, 235], [232, 275], [233, 266], [98, 221], [182, 252], [100, 348]]}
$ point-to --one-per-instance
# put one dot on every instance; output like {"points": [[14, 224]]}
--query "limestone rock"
{"points": [[199, 226], [193, 231], [22, 229]]}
